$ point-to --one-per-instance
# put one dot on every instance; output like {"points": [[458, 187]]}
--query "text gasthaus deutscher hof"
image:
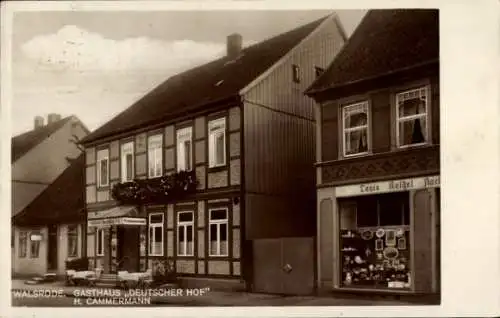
{"points": [[114, 297]]}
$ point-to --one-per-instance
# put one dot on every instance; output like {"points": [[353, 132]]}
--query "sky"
{"points": [[96, 64]]}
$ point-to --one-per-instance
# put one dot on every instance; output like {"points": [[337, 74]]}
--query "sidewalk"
{"points": [[219, 298]]}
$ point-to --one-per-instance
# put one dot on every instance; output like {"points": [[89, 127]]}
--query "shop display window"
{"points": [[374, 241]]}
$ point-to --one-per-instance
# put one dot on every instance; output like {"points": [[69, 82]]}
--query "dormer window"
{"points": [[356, 128], [296, 73], [412, 117]]}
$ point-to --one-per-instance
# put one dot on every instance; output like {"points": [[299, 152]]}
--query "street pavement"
{"points": [[210, 298]]}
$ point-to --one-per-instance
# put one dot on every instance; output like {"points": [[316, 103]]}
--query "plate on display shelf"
{"points": [[390, 253], [380, 233], [367, 235], [400, 232]]}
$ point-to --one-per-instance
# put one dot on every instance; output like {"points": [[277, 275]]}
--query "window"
{"points": [[217, 142], [185, 236], [374, 240], [411, 114], [127, 161], [99, 242], [156, 234], [103, 168], [72, 240], [355, 125], [318, 71], [23, 244], [184, 149], [155, 151], [296, 73], [34, 247], [218, 232]]}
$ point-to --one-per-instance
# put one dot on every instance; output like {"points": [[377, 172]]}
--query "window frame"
{"points": [[368, 126], [36, 243], [183, 135], [184, 225], [124, 151], [213, 132], [151, 239], [100, 159], [427, 89], [25, 235], [218, 222], [157, 140], [99, 249], [71, 235]]}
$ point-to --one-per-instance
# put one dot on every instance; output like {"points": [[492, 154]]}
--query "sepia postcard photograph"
{"points": [[225, 157]]}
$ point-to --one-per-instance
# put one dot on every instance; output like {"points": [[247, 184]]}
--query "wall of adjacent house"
{"points": [[44, 163], [279, 146], [30, 265]]}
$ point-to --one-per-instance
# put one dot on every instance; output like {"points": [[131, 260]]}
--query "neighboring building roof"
{"points": [[210, 83], [61, 202], [385, 41], [23, 143]]}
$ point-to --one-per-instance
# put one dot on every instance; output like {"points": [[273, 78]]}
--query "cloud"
{"points": [[75, 49]]}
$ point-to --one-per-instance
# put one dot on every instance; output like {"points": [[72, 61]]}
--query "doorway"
{"points": [[52, 248], [128, 248]]}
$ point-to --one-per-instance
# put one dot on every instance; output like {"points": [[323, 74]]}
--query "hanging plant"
{"points": [[157, 190]]}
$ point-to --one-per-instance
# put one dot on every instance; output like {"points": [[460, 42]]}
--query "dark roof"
{"points": [[61, 202], [196, 88], [385, 41], [23, 143]]}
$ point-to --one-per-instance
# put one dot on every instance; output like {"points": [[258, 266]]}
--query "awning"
{"points": [[119, 215]]}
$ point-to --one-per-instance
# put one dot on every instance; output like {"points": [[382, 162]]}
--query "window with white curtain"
{"points": [[184, 149], [127, 161], [217, 142], [185, 234], [156, 234], [23, 244], [218, 232], [412, 117], [155, 155]]}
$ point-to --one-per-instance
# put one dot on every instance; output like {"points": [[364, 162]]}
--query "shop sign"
{"points": [[117, 221], [388, 186], [36, 237]]}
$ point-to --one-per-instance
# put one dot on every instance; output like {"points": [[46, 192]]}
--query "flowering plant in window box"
{"points": [[157, 190]]}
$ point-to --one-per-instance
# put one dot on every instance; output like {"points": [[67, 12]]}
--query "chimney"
{"points": [[234, 45], [52, 118], [38, 122]]}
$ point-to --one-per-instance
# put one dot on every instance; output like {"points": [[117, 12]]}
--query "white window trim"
{"points": [[151, 239], [123, 153], [99, 241], [157, 153], [212, 134], [184, 225], [218, 223], [367, 127], [183, 135], [99, 160], [412, 117]]}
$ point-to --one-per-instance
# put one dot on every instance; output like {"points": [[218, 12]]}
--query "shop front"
{"points": [[119, 240], [380, 236]]}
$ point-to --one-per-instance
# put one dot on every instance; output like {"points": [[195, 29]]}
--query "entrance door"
{"points": [[52, 248], [128, 248]]}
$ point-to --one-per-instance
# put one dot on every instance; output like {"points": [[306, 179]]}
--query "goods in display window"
{"points": [[375, 258]]}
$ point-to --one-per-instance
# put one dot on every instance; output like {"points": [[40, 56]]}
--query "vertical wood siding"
{"points": [[279, 123]]}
